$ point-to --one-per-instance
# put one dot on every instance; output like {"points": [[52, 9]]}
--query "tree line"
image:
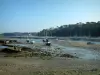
{"points": [[89, 29]]}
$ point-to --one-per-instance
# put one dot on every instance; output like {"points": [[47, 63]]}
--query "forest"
{"points": [[88, 29]]}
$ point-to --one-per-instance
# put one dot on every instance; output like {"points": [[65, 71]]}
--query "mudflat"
{"points": [[53, 66]]}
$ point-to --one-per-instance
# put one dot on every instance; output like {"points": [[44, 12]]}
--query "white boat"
{"points": [[30, 41], [46, 41]]}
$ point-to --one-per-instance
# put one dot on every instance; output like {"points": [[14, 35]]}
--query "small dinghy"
{"points": [[46, 42], [30, 41]]}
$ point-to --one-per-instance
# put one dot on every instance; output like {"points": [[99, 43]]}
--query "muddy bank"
{"points": [[36, 50], [59, 48]]}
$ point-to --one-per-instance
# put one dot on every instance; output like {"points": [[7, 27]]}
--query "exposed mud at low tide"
{"points": [[55, 66], [79, 52], [83, 53]]}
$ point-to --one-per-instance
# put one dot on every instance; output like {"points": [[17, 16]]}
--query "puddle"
{"points": [[2, 47]]}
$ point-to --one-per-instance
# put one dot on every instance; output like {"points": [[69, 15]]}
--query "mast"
{"points": [[45, 34]]}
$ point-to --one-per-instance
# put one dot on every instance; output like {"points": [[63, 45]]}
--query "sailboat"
{"points": [[89, 42], [46, 40], [29, 41]]}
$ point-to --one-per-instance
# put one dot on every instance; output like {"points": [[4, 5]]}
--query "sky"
{"points": [[35, 15]]}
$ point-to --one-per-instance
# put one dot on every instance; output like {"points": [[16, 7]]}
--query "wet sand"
{"points": [[27, 66]]}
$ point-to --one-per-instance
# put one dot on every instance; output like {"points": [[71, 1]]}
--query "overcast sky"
{"points": [[34, 15]]}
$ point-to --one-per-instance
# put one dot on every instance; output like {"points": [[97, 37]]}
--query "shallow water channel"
{"points": [[81, 52]]}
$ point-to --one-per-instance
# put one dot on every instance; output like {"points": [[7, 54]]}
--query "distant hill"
{"points": [[19, 34], [1, 35]]}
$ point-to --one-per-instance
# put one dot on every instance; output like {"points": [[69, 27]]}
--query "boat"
{"points": [[30, 41], [46, 40]]}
